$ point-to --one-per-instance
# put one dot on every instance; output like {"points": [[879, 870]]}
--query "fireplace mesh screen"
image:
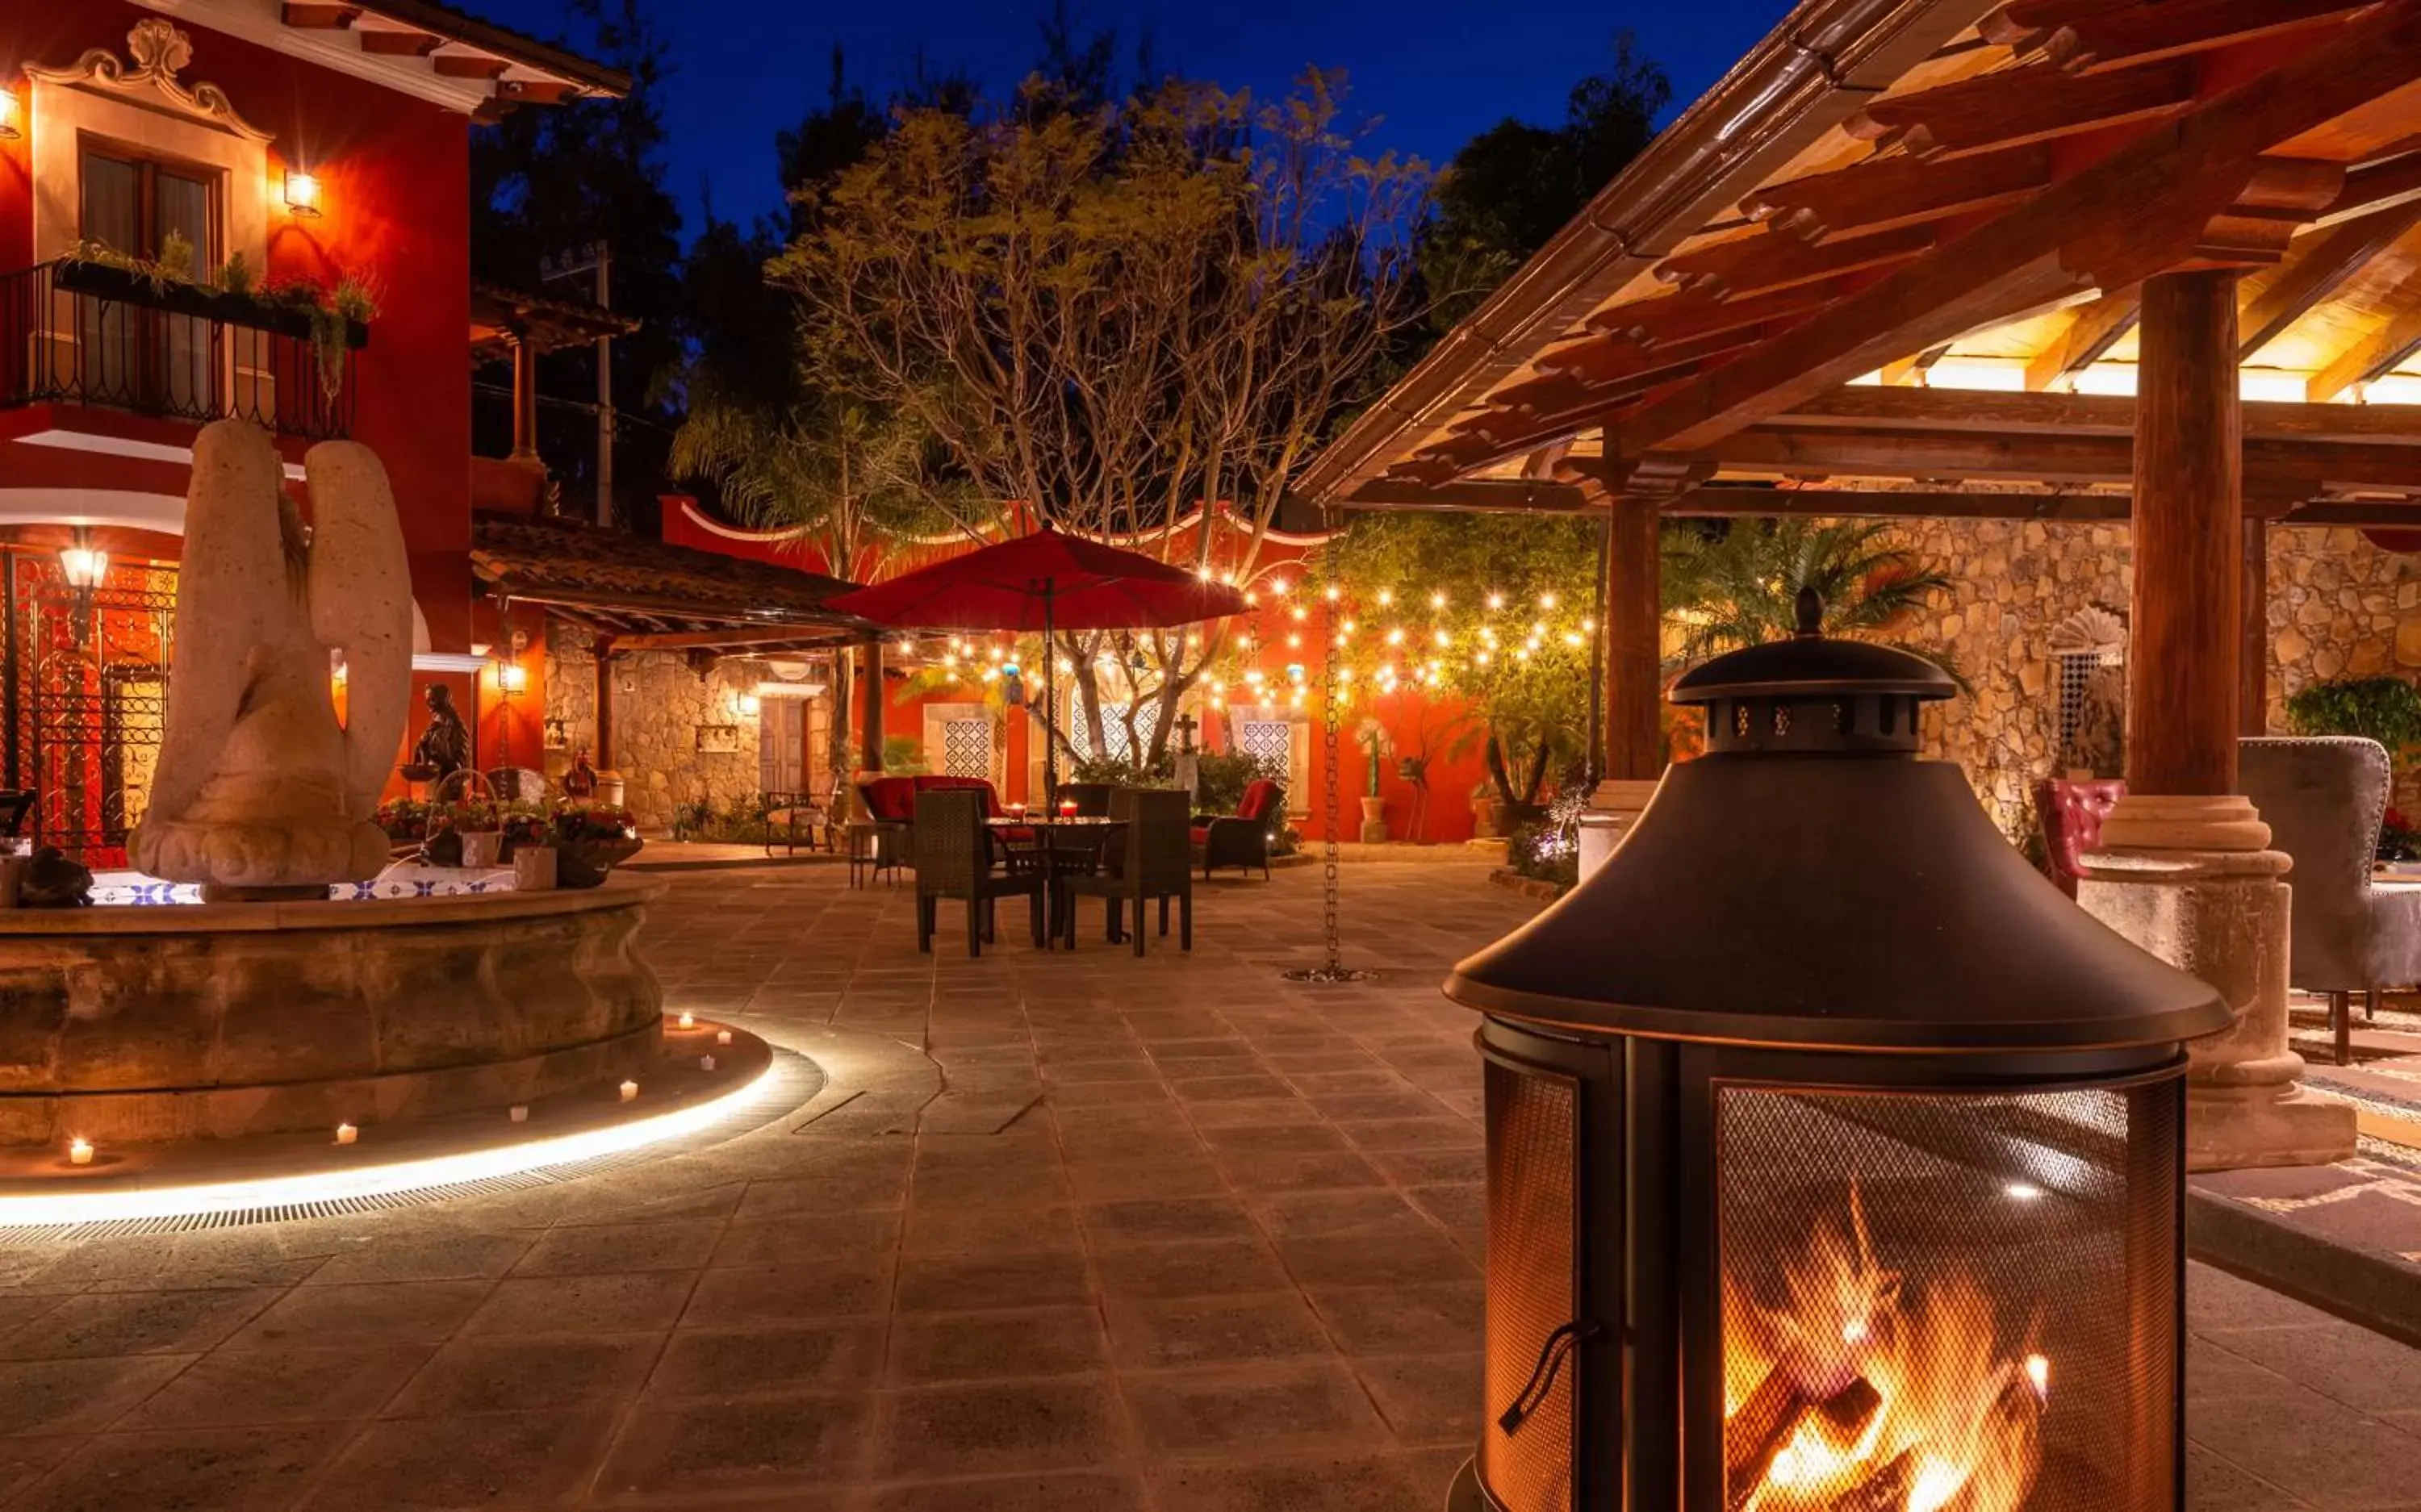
{"points": [[1935, 1302], [1533, 1217]]}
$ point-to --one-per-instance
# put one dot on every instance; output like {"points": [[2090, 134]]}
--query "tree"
{"points": [[1125, 320], [1515, 185], [546, 184], [1492, 609], [1741, 586]]}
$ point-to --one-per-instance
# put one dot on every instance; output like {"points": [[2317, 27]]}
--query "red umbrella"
{"points": [[1046, 581]]}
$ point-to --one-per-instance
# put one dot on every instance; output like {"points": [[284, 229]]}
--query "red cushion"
{"points": [[2072, 813], [1258, 794], [891, 798], [1199, 834], [941, 779]]}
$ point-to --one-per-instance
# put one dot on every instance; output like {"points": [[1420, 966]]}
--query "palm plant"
{"points": [[1742, 587]]}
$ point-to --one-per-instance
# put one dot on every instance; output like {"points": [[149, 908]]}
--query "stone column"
{"points": [[1634, 683], [2185, 869]]}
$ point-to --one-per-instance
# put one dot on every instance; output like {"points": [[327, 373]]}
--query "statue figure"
{"points": [[581, 781], [445, 744], [259, 792]]}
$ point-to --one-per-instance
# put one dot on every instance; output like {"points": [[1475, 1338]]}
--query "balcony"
{"points": [[75, 332]]}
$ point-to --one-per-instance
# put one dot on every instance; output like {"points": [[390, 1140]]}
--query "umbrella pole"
{"points": [[1050, 705]]}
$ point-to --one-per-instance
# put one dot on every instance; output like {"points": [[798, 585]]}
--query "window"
{"points": [[140, 206]]}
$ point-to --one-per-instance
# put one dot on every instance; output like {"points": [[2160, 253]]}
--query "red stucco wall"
{"points": [[395, 172]]}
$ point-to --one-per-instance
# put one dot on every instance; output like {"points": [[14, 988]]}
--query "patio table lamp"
{"points": [[1834, 1158]]}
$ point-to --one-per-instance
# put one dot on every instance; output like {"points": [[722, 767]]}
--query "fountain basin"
{"points": [[221, 1019]]}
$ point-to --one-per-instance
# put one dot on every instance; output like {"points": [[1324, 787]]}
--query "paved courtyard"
{"points": [[1083, 1234]]}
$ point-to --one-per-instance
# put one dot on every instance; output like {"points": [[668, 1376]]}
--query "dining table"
{"points": [[1056, 845]]}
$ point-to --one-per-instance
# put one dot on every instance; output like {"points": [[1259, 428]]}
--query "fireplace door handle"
{"points": [[1542, 1375]]}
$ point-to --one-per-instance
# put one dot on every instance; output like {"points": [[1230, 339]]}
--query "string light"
{"points": [[1571, 637], [1437, 600], [1294, 642], [1301, 614], [1333, 593], [1546, 600], [1495, 601], [1441, 638], [1588, 627], [1386, 596], [1278, 586], [1396, 635], [1349, 627]]}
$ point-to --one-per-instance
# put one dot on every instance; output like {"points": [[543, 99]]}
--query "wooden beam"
{"points": [[2253, 628], [2012, 107], [2014, 260], [601, 650], [870, 716], [2287, 465], [1470, 496], [1675, 319], [2092, 330], [1886, 192], [732, 639], [400, 43], [1726, 501], [468, 66], [315, 16], [1864, 406], [1634, 619], [1763, 262], [2368, 360], [2127, 36], [2373, 186], [2319, 269]]}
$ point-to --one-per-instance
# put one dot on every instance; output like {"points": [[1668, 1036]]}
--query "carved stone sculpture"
{"points": [[259, 790]]}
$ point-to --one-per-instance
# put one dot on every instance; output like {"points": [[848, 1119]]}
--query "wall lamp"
{"points": [[302, 194]]}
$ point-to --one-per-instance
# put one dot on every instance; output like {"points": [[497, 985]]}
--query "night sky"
{"points": [[1436, 71]]}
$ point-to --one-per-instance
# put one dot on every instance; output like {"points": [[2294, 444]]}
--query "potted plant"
{"points": [[591, 841], [1372, 737]]}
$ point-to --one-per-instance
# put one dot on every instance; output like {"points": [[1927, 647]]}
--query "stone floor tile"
{"points": [[635, 1299], [1287, 1171], [821, 1357], [228, 1469], [524, 1373], [364, 1313], [1150, 1219], [1355, 1260], [1202, 1331], [235, 1388], [810, 1442], [1258, 1408], [1427, 1399], [495, 1460], [743, 1296], [444, 1257], [79, 1396], [1431, 1167], [986, 1283], [1352, 1482], [134, 1322], [2219, 1303], [2214, 1484], [1421, 1320], [1371, 1214], [1147, 1179], [1081, 1491], [991, 1230], [632, 1247], [2311, 1447], [2342, 1362], [938, 1348], [1191, 1268], [793, 1240], [998, 1426]]}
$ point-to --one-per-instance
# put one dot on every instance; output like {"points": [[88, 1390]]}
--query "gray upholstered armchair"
{"points": [[2323, 798]]}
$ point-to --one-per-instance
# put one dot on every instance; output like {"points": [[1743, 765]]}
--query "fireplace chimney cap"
{"points": [[1812, 665]]}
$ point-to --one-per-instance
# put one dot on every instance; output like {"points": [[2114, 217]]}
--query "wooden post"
{"points": [[873, 752], [524, 397], [1634, 618], [2252, 631], [601, 648], [2181, 666]]}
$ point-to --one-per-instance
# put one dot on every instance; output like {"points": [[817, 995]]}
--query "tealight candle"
{"points": [[706, 1063], [79, 1152], [520, 1112], [347, 1133], [687, 1020], [1068, 808], [722, 1037], [629, 1091]]}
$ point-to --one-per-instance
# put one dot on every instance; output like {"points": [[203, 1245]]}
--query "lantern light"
{"points": [[750, 705], [302, 194], [511, 677], [83, 564]]}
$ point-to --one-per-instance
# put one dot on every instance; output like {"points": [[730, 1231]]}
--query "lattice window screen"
{"points": [[2076, 669], [966, 747], [1115, 740], [1270, 743]]}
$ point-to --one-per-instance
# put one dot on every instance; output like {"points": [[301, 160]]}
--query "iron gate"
{"points": [[86, 693]]}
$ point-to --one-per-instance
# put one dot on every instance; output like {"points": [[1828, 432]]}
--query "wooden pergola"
{"points": [[2047, 260]]}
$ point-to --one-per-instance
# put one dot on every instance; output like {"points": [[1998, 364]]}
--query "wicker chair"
{"points": [[954, 859], [1147, 859], [1240, 839]]}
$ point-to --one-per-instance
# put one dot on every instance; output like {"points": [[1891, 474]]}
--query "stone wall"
{"points": [[2338, 607], [660, 704]]}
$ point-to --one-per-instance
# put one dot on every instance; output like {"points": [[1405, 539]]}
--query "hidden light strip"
{"points": [[139, 1203]]}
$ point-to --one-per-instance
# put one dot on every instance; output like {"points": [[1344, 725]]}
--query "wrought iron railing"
{"points": [[73, 331]]}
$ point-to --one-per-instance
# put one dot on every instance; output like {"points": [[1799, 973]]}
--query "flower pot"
{"points": [[482, 849], [1374, 821]]}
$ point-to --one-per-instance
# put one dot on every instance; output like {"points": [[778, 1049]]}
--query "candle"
{"points": [[347, 1133], [629, 1091], [1067, 808], [687, 1020], [520, 1112], [706, 1063], [79, 1152], [722, 1037]]}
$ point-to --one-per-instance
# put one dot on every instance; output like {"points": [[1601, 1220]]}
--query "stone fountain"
{"points": [[268, 1006]]}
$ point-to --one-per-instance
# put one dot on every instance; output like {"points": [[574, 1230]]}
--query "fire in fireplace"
{"points": [[1834, 1158]]}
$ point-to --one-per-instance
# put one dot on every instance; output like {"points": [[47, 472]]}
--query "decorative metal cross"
{"points": [[1186, 726]]}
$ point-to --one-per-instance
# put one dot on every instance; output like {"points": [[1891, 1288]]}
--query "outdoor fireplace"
{"points": [[1834, 1158]]}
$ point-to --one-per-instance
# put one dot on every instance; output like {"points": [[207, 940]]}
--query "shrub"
{"points": [[1222, 775], [2386, 709]]}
